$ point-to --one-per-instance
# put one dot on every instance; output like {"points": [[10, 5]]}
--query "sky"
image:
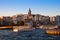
{"points": [[42, 7]]}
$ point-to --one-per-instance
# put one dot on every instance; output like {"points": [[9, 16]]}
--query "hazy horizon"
{"points": [[43, 7]]}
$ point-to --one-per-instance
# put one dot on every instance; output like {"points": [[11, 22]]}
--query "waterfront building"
{"points": [[4, 18], [57, 20], [29, 23], [46, 20], [36, 17], [30, 17], [15, 21], [13, 17], [25, 17], [1, 22], [52, 19], [40, 18], [8, 19], [1, 17], [20, 17]]}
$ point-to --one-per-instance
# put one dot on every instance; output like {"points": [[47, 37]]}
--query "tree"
{"points": [[34, 24], [20, 23], [11, 24]]}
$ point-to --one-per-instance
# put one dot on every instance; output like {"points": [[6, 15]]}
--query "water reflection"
{"points": [[36, 34], [15, 30]]}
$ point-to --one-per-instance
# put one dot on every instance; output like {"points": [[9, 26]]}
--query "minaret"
{"points": [[29, 12]]}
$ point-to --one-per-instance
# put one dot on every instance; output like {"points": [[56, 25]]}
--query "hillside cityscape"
{"points": [[33, 20]]}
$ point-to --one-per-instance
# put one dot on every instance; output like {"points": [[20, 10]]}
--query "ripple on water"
{"points": [[38, 34]]}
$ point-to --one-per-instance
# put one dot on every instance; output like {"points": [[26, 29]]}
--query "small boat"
{"points": [[53, 31]]}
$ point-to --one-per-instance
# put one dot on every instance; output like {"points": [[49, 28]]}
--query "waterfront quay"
{"points": [[17, 27], [29, 27]]}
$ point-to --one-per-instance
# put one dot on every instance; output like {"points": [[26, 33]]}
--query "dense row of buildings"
{"points": [[30, 18]]}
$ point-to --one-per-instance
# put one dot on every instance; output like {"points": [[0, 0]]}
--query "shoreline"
{"points": [[28, 27]]}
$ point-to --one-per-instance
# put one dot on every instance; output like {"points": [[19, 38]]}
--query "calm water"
{"points": [[37, 34]]}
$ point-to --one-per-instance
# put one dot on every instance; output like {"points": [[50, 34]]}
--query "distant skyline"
{"points": [[43, 7]]}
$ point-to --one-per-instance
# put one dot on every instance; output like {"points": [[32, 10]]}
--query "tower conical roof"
{"points": [[29, 12]]}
